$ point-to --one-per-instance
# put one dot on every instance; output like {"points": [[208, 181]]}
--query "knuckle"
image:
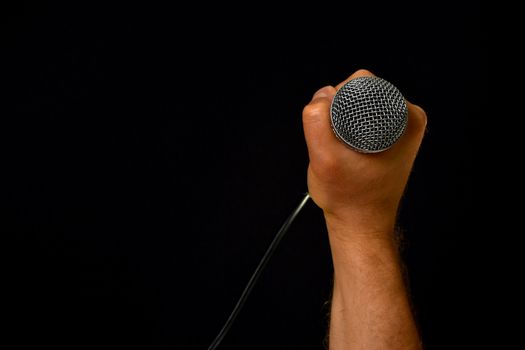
{"points": [[314, 110], [421, 117], [363, 72], [329, 164]]}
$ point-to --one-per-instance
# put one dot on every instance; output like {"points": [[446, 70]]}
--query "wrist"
{"points": [[360, 226], [357, 246]]}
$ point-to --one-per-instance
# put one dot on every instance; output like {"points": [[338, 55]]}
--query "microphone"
{"points": [[368, 114]]}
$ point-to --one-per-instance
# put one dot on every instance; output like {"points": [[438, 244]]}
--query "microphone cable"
{"points": [[257, 273]]}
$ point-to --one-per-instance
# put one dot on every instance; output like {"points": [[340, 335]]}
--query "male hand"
{"points": [[352, 187]]}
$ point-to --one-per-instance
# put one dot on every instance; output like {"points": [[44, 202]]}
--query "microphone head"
{"points": [[368, 114]]}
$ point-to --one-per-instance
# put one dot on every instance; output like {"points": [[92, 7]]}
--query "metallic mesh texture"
{"points": [[369, 114]]}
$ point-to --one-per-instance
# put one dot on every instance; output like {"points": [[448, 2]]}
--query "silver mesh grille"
{"points": [[369, 114]]}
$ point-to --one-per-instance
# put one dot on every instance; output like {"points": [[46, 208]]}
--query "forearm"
{"points": [[370, 308]]}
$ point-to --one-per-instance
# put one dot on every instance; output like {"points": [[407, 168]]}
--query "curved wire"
{"points": [[257, 273]]}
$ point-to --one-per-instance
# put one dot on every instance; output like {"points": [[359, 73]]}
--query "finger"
{"points": [[316, 120], [357, 74], [413, 135], [417, 123]]}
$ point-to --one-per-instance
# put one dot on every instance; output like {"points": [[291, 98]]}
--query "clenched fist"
{"points": [[351, 187]]}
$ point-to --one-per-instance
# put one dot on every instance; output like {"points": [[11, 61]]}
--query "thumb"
{"points": [[316, 120]]}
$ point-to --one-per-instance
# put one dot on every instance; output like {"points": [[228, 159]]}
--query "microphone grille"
{"points": [[369, 114]]}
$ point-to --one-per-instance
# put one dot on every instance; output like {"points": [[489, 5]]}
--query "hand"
{"points": [[355, 190]]}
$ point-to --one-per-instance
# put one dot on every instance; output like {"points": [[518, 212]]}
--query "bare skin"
{"points": [[359, 195]]}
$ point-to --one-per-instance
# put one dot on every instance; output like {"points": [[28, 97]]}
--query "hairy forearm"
{"points": [[370, 307]]}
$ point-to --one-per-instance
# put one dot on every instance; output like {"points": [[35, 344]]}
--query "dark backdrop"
{"points": [[152, 153]]}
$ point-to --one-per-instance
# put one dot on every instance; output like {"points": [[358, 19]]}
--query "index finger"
{"points": [[358, 74]]}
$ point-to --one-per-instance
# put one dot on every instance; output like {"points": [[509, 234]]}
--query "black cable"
{"points": [[257, 273]]}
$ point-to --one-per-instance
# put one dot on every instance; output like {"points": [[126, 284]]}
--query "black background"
{"points": [[152, 152]]}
